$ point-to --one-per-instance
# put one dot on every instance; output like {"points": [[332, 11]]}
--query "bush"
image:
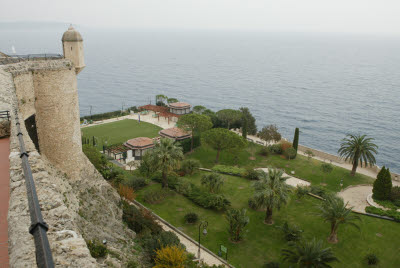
{"points": [[395, 193], [388, 213], [301, 191], [264, 151], [185, 144], [139, 220], [252, 174], [170, 256], [208, 200], [97, 249], [108, 115], [163, 239], [132, 264], [191, 217], [291, 232], [137, 183], [126, 192], [382, 185], [172, 177], [230, 170], [317, 190], [275, 148], [272, 264], [154, 196], [371, 259], [290, 153], [252, 203], [189, 166], [212, 181], [285, 145]]}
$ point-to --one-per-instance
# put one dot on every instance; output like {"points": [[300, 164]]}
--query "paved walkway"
{"points": [[4, 199], [292, 181], [161, 122]]}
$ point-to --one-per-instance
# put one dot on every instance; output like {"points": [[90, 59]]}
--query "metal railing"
{"points": [[5, 114], [38, 227]]}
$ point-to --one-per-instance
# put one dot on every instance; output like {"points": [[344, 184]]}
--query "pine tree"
{"points": [[382, 185]]}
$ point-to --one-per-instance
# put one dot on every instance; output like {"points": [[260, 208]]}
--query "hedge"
{"points": [[388, 213], [230, 170]]}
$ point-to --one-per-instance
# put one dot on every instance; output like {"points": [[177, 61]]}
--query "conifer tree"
{"points": [[296, 139], [382, 185]]}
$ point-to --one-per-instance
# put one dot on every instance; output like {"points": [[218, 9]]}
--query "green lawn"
{"points": [[263, 243], [120, 131], [309, 170]]}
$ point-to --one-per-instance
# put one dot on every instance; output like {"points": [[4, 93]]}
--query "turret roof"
{"points": [[72, 35]]}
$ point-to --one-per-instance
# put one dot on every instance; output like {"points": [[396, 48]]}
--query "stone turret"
{"points": [[73, 48]]}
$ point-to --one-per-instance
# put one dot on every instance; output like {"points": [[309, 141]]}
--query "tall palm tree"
{"points": [[309, 254], [167, 156], [271, 192], [334, 211], [358, 149]]}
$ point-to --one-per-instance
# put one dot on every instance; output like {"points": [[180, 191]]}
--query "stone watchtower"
{"points": [[73, 48]]}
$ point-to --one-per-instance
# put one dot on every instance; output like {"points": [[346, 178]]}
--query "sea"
{"points": [[328, 85]]}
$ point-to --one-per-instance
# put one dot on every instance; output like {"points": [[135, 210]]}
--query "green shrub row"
{"points": [[230, 170], [109, 115], [388, 213]]}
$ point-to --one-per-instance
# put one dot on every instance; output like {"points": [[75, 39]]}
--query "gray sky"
{"points": [[361, 16]]}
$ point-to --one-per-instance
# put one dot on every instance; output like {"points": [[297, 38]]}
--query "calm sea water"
{"points": [[327, 85]]}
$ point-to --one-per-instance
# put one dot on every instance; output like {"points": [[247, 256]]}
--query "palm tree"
{"points": [[309, 254], [166, 156], [237, 222], [271, 192], [334, 211], [358, 149], [212, 181]]}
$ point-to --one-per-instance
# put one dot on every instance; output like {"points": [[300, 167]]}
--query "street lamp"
{"points": [[341, 184], [203, 224]]}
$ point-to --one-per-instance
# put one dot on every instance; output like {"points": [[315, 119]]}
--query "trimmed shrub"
{"points": [[275, 148], [395, 194], [382, 185], [139, 220], [208, 200], [163, 239], [264, 151], [291, 232], [317, 190], [371, 259], [301, 191], [252, 174], [230, 170], [97, 249], [154, 196], [191, 217], [290, 153], [388, 213], [108, 115], [189, 166]]}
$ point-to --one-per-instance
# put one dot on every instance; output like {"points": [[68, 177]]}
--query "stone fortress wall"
{"points": [[76, 202]]}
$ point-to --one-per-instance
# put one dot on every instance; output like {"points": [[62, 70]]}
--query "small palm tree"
{"points": [[166, 156], [237, 222], [334, 211], [271, 192], [309, 254], [358, 149], [212, 181]]}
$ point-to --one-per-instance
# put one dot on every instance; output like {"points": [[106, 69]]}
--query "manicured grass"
{"points": [[120, 131], [264, 243], [309, 170]]}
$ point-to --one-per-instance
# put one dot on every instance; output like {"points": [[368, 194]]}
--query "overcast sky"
{"points": [[360, 16]]}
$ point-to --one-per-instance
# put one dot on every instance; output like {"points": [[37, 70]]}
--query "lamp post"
{"points": [[203, 224], [341, 184]]}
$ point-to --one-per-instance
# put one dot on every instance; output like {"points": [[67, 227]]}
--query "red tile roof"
{"points": [[175, 133], [179, 105], [140, 143]]}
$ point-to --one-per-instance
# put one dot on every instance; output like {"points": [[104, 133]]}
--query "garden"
{"points": [[261, 220]]}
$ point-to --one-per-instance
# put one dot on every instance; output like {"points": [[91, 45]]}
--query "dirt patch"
{"points": [[252, 158], [240, 187]]}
